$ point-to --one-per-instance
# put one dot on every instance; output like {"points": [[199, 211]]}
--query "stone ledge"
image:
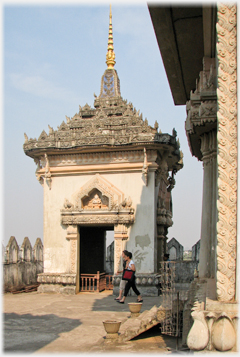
{"points": [[57, 278], [57, 289]]}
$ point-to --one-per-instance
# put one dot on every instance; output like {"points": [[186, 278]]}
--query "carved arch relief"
{"points": [[98, 202], [98, 191]]}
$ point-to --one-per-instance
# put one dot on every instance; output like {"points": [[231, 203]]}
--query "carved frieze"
{"points": [[227, 151], [112, 218], [99, 158]]}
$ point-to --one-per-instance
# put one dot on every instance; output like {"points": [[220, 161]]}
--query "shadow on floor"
{"points": [[109, 303], [153, 336], [28, 333]]}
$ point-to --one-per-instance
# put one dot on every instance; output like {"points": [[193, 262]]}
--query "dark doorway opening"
{"points": [[92, 248], [92, 254]]}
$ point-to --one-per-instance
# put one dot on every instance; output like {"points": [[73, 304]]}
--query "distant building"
{"points": [[175, 249]]}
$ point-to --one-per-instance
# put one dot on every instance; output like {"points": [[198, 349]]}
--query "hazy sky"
{"points": [[53, 60]]}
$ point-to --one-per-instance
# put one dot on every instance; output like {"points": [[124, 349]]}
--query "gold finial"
{"points": [[110, 57]]}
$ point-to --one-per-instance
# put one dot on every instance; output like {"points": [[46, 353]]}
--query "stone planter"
{"points": [[135, 308], [112, 328]]}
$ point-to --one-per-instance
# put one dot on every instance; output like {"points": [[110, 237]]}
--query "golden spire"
{"points": [[110, 57]]}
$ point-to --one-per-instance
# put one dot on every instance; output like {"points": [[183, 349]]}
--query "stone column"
{"points": [[207, 257]]}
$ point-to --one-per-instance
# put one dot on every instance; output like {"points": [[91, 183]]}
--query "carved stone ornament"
{"points": [[47, 172], [223, 333], [98, 193], [213, 330], [98, 202], [198, 336], [145, 167], [227, 151], [164, 217], [202, 106]]}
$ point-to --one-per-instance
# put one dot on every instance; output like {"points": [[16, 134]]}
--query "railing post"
{"points": [[98, 277]]}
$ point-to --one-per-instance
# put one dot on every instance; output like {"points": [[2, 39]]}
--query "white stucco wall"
{"points": [[141, 234]]}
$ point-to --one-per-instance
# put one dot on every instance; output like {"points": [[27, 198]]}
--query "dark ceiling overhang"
{"points": [[184, 35]]}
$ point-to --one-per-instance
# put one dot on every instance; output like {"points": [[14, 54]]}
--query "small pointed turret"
{"points": [[110, 57], [110, 84]]}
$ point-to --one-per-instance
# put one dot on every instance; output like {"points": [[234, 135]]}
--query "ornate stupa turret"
{"points": [[113, 124], [110, 83]]}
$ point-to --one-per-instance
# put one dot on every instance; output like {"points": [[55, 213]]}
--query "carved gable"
{"points": [[98, 193]]}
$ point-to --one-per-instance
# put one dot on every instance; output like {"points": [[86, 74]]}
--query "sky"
{"points": [[53, 58]]}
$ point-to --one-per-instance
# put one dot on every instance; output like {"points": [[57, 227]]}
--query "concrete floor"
{"points": [[54, 323]]}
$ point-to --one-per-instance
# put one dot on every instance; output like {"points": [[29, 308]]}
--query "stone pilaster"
{"points": [[72, 233], [120, 235]]}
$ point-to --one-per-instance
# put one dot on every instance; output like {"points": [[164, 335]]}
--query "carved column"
{"points": [[165, 184], [161, 244], [120, 235], [72, 232], [227, 152], [207, 256]]}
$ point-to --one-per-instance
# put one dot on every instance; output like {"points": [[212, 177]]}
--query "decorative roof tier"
{"points": [[112, 123]]}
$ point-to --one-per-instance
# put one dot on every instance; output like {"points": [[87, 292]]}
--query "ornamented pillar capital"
{"points": [[208, 146], [72, 232], [202, 107]]}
